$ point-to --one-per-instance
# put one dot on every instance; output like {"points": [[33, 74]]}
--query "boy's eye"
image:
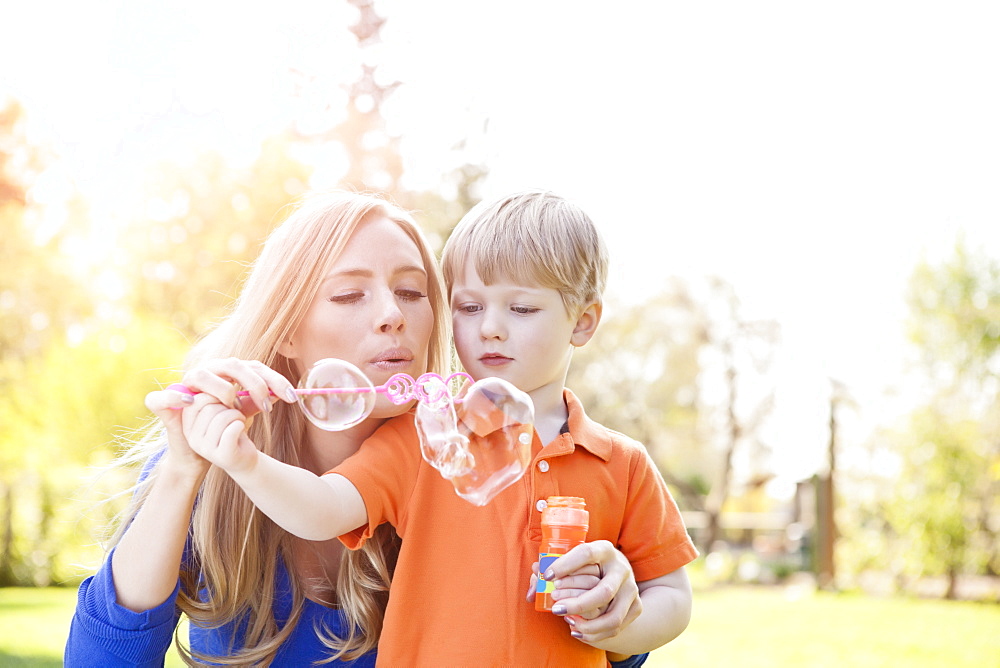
{"points": [[408, 295], [524, 310], [468, 308]]}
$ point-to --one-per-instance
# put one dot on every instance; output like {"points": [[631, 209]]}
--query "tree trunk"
{"points": [[7, 557]]}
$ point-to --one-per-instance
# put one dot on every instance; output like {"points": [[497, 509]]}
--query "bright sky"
{"points": [[809, 154]]}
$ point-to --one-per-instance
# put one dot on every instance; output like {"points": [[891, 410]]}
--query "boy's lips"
{"points": [[494, 359]]}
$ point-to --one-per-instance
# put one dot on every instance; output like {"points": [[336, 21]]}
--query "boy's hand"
{"points": [[218, 378], [595, 590], [167, 405], [218, 433]]}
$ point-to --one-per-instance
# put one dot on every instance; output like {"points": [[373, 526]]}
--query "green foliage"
{"points": [[57, 421], [202, 227], [955, 313], [940, 515], [938, 508], [38, 296]]}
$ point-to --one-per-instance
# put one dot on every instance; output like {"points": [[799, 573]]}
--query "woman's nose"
{"points": [[391, 317]]}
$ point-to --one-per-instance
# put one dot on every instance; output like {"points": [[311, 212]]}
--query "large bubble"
{"points": [[335, 395], [480, 442]]}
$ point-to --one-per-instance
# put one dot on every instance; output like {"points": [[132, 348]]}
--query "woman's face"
{"points": [[371, 309]]}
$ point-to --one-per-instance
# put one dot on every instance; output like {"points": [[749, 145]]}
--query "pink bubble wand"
{"points": [[336, 395]]}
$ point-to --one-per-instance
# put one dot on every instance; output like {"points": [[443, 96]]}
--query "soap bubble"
{"points": [[335, 395], [480, 442]]}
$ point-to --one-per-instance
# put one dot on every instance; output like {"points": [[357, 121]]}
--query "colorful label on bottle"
{"points": [[545, 560]]}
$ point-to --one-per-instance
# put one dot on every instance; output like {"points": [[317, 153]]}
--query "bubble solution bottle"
{"points": [[565, 521]]}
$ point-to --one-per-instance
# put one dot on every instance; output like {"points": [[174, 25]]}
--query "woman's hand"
{"points": [[595, 590]]}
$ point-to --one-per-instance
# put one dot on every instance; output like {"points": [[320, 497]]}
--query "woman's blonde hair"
{"points": [[234, 549], [531, 236]]}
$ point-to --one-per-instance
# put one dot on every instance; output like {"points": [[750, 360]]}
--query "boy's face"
{"points": [[520, 333]]}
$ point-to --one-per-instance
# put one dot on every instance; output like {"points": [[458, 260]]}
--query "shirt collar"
{"points": [[583, 431]]}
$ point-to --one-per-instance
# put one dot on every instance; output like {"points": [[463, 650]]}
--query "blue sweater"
{"points": [[105, 634]]}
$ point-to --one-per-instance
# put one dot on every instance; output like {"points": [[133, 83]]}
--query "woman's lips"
{"points": [[393, 360]]}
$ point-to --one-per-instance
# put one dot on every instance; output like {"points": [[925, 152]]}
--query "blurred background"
{"points": [[803, 317]]}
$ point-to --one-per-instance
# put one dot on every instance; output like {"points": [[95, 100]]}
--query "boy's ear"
{"points": [[586, 324]]}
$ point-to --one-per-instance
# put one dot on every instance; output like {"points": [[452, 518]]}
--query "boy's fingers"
{"points": [[574, 585], [594, 555], [532, 585]]}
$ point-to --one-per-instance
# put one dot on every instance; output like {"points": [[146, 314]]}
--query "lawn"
{"points": [[746, 627]]}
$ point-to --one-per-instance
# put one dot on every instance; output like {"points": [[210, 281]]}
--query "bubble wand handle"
{"points": [[399, 389]]}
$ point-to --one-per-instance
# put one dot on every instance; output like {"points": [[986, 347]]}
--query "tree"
{"points": [[738, 355], [40, 299], [950, 448], [186, 255], [639, 375], [675, 373]]}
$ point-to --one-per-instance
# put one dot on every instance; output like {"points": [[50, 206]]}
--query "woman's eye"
{"points": [[410, 295], [347, 298]]}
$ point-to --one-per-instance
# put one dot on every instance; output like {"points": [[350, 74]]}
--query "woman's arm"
{"points": [[146, 562]]}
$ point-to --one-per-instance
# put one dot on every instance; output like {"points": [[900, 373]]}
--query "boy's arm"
{"points": [[596, 590], [299, 501]]}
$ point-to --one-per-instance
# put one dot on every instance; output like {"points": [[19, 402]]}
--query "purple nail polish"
{"points": [[558, 609]]}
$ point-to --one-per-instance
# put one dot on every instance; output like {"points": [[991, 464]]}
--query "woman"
{"points": [[216, 560], [191, 542]]}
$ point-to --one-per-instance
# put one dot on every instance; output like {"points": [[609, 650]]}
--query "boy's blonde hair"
{"points": [[531, 236], [235, 550]]}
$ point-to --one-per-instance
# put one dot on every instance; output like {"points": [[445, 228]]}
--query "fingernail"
{"points": [[549, 574], [291, 396], [237, 403], [187, 399], [570, 619], [558, 609], [576, 634]]}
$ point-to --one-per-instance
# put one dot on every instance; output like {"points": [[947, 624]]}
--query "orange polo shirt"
{"points": [[458, 595]]}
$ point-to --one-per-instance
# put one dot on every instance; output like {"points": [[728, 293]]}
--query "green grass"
{"points": [[746, 627], [34, 624], [757, 627]]}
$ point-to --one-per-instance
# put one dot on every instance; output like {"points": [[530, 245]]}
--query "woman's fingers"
{"points": [[222, 378], [159, 401]]}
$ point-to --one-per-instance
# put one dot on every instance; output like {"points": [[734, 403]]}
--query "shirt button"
{"points": [[541, 505], [543, 466]]}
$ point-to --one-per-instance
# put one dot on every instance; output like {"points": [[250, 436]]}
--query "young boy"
{"points": [[525, 276]]}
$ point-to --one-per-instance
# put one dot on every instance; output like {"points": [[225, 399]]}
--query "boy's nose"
{"points": [[492, 328]]}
